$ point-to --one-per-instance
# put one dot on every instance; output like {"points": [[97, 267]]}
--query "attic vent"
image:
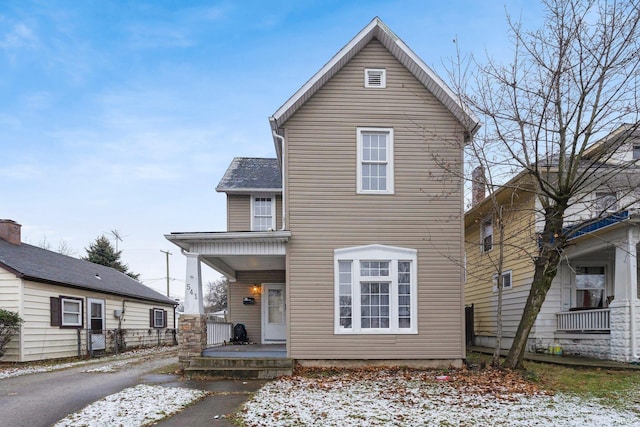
{"points": [[375, 77]]}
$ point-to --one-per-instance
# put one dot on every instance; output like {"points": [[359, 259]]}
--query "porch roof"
{"points": [[230, 252]]}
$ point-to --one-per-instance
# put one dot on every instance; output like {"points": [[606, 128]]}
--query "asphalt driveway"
{"points": [[44, 398]]}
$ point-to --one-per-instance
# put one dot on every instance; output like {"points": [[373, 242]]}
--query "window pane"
{"points": [[404, 294], [262, 213], [71, 319], [373, 312], [590, 285], [345, 293]]}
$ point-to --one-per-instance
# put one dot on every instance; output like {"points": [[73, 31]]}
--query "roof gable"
{"points": [[40, 265], [250, 174], [376, 29]]}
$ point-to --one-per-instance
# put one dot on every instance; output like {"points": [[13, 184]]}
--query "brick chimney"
{"points": [[10, 231], [478, 185]]}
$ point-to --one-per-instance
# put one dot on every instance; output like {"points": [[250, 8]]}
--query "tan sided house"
{"points": [[592, 306], [72, 307], [344, 245]]}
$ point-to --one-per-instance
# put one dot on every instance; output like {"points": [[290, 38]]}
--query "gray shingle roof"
{"points": [[41, 265], [250, 174]]}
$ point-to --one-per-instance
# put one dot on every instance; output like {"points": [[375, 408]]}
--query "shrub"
{"points": [[9, 323]]}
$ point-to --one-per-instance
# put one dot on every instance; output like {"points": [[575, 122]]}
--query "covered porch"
{"points": [[597, 313], [254, 264]]}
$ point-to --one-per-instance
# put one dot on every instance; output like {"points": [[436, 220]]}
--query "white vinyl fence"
{"points": [[218, 332]]}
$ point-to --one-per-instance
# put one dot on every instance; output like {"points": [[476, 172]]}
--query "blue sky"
{"points": [[124, 115]]}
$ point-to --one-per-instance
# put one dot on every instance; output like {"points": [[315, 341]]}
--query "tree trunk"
{"points": [[546, 267]]}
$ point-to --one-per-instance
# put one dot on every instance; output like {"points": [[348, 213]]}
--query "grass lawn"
{"points": [[619, 388]]}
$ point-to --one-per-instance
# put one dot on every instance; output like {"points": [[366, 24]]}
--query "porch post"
{"points": [[193, 323], [193, 285], [623, 309]]}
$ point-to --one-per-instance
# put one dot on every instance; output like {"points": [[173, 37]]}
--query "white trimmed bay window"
{"points": [[375, 161], [375, 290]]}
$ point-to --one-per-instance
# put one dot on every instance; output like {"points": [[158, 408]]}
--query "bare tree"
{"points": [[216, 296], [569, 83], [63, 247]]}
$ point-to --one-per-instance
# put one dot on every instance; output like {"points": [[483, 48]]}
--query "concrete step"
{"points": [[262, 368]]}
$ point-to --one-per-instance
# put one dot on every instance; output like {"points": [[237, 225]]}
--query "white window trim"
{"points": [[383, 78], [376, 253], [482, 235], [273, 209], [62, 311], [390, 157], [505, 288], [155, 323]]}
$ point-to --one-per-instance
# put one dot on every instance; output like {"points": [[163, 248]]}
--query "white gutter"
{"points": [[281, 138]]}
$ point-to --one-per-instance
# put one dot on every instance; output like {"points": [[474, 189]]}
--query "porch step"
{"points": [[256, 367]]}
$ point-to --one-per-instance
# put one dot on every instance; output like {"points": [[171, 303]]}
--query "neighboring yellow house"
{"points": [[592, 306], [71, 307]]}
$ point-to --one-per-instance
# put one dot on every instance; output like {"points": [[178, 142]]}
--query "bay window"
{"points": [[375, 290]]}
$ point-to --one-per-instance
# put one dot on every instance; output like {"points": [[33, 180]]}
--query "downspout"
{"points": [[281, 138]]}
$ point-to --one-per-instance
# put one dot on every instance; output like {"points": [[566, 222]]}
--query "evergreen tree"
{"points": [[102, 252]]}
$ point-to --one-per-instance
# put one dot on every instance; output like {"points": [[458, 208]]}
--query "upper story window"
{"points": [[636, 152], [375, 290], [486, 235], [506, 280], [263, 208], [375, 78], [606, 202], [375, 161]]}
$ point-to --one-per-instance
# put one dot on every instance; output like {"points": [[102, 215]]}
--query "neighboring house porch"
{"points": [[592, 308]]}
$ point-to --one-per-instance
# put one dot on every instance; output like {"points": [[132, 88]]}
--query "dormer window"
{"points": [[375, 78], [263, 208]]}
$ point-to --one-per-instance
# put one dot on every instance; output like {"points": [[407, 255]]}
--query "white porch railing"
{"points": [[584, 320], [218, 332]]}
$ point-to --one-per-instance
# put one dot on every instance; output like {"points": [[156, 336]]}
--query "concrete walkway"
{"points": [[582, 362]]}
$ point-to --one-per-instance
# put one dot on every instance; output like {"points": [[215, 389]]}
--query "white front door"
{"points": [[274, 328], [95, 323]]}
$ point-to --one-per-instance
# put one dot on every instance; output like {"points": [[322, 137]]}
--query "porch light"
{"points": [[255, 289]]}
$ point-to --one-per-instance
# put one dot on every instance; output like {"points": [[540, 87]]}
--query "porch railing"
{"points": [[597, 320], [218, 332]]}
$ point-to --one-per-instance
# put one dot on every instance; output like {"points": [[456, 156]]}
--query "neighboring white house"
{"points": [[70, 306]]}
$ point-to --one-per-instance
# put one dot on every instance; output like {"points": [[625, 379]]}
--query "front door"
{"points": [[274, 328], [95, 320]]}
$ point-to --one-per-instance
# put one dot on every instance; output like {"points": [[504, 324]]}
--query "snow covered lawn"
{"points": [[412, 398], [136, 406]]}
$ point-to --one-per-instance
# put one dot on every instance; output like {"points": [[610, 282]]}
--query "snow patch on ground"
{"points": [[8, 372], [136, 406], [400, 400]]}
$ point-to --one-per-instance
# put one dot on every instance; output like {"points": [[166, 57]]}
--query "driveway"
{"points": [[44, 398]]}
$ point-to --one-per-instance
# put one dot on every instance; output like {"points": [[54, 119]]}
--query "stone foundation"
{"points": [[192, 337], [621, 341]]}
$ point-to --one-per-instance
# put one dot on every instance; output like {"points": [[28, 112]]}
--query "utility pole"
{"points": [[167, 253]]}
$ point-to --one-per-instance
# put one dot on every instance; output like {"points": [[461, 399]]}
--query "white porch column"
{"points": [[624, 326], [193, 285]]}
